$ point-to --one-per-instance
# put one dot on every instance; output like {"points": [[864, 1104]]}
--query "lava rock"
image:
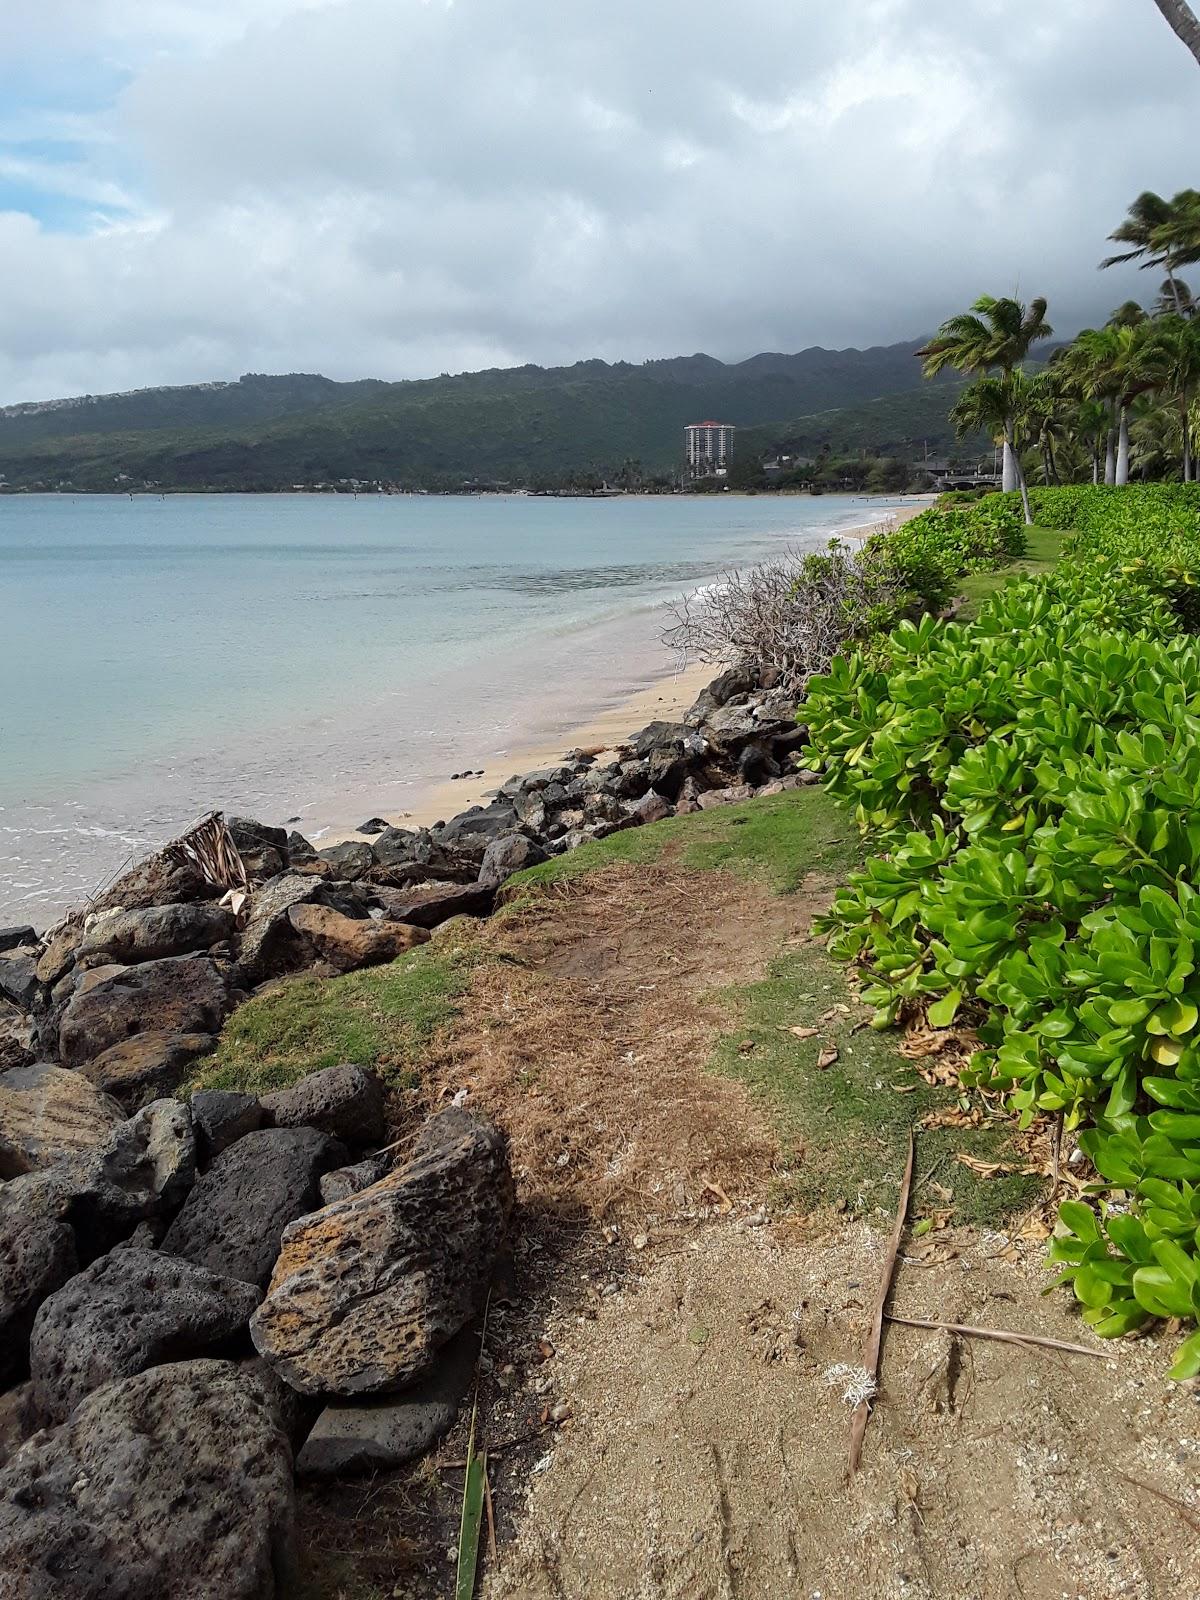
{"points": [[15, 937], [125, 938], [373, 825], [299, 850], [366, 1292], [233, 1220], [37, 1256], [174, 1482], [18, 980], [17, 1038], [342, 1182], [651, 807], [345, 1101], [147, 1066], [156, 881], [221, 1117], [351, 858], [130, 1310], [348, 943], [428, 905], [377, 1435], [510, 853], [181, 994], [472, 829], [267, 941], [47, 1113], [146, 1166]]}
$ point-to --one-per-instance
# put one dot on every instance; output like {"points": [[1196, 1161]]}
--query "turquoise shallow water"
{"points": [[283, 654]]}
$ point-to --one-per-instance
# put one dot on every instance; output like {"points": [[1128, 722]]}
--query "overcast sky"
{"points": [[192, 189]]}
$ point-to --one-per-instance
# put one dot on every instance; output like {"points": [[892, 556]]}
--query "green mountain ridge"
{"points": [[522, 425]]}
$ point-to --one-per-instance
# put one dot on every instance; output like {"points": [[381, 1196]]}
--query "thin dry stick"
{"points": [[1185, 1511], [862, 1411], [491, 1515], [1002, 1335]]}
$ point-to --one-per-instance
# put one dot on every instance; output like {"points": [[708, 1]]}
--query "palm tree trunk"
{"points": [[1122, 476], [1183, 21], [1008, 479], [1186, 430], [1110, 458], [1096, 463], [1011, 457]]}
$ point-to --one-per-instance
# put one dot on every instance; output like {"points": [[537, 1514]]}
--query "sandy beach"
{"points": [[665, 700]]}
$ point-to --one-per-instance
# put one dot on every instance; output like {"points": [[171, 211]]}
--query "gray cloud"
{"points": [[399, 187]]}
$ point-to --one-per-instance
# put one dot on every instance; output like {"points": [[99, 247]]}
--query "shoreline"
{"points": [[664, 699]]}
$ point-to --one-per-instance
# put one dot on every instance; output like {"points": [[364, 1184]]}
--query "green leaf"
{"points": [[1187, 1358], [942, 1012]]}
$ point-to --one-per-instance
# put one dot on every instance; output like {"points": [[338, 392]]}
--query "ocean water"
{"points": [[289, 656]]}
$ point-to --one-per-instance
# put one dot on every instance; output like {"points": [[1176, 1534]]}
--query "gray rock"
{"points": [[176, 1482], [147, 1066], [351, 858], [428, 905], [472, 829], [182, 994], [651, 807], [13, 938], [299, 850], [146, 1167], [731, 685], [37, 1256], [47, 1113], [17, 1038], [711, 798], [250, 835], [130, 1310], [125, 938], [756, 764], [233, 1220], [510, 853], [156, 881], [373, 825], [18, 980], [346, 1101], [366, 1292], [668, 736], [268, 936], [632, 780], [221, 1117], [342, 1182], [376, 1435], [17, 1421]]}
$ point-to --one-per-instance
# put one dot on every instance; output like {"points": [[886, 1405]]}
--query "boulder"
{"points": [[234, 1218], [146, 1166], [125, 938], [17, 1421], [351, 858], [348, 943], [17, 1038], [176, 1482], [756, 764], [267, 939], [18, 980], [299, 850], [156, 881], [14, 938], [221, 1117], [651, 807], [403, 857], [661, 736], [372, 826], [181, 994], [472, 829], [510, 853], [342, 1182], [37, 1256], [733, 684], [711, 798], [147, 1066], [47, 1113], [345, 1101], [130, 1310], [263, 849], [367, 1291], [632, 779], [427, 905], [378, 1435], [59, 955]]}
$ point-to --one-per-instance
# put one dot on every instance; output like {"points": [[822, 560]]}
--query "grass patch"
{"points": [[383, 1017], [1043, 547], [779, 840], [846, 1128]]}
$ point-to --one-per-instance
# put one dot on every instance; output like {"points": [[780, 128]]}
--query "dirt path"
{"points": [[660, 1392]]}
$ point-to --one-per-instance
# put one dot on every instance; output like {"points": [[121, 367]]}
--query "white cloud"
{"points": [[398, 187]]}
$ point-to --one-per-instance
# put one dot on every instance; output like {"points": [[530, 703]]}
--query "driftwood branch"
{"points": [[862, 1411], [1001, 1335]]}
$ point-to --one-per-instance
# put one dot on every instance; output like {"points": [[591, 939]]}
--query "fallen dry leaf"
{"points": [[801, 1033], [827, 1057]]}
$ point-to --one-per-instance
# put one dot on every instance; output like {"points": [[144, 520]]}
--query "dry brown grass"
{"points": [[587, 1033]]}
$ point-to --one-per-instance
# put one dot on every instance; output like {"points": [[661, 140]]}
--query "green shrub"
{"points": [[930, 553], [1033, 779]]}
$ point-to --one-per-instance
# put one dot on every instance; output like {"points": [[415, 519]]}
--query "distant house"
{"points": [[709, 447]]}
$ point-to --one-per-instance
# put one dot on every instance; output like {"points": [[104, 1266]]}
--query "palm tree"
{"points": [[1183, 21], [1142, 231], [996, 334], [997, 405], [1117, 363], [1179, 345]]}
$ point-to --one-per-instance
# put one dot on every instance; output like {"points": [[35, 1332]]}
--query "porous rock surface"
{"points": [[233, 1220], [346, 1101], [130, 1310], [366, 1292], [174, 1483], [47, 1113]]}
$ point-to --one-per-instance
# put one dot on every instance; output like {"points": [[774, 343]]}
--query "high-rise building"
{"points": [[709, 448]]}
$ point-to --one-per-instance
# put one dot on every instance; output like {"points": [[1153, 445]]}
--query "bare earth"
{"points": [[696, 1449]]}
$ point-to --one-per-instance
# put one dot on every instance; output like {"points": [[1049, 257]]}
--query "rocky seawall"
{"points": [[201, 1298]]}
